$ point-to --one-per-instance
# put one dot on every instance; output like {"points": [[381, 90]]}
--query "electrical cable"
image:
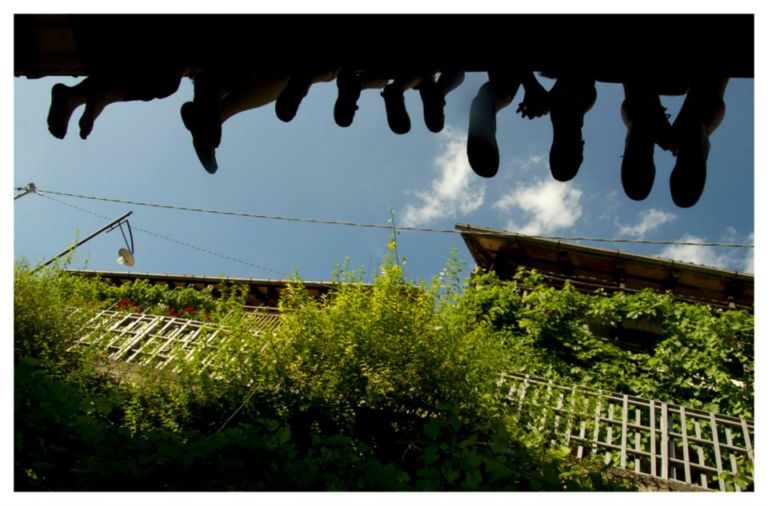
{"points": [[380, 225], [170, 239]]}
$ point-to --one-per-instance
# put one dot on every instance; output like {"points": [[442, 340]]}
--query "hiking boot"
{"points": [[689, 176], [287, 103], [647, 125], [568, 108], [482, 149], [397, 115], [434, 103], [346, 102]]}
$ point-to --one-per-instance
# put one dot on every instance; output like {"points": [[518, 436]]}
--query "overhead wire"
{"points": [[170, 239], [387, 226]]}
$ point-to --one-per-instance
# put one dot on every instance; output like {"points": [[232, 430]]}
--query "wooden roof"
{"points": [[589, 268]]}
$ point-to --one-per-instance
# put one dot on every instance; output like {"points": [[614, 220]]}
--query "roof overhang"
{"points": [[590, 268]]}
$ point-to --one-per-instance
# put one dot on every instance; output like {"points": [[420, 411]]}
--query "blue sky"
{"points": [[311, 168]]}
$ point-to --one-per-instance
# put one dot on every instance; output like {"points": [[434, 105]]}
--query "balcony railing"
{"points": [[647, 437]]}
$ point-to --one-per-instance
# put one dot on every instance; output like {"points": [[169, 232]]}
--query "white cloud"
{"points": [[729, 259], [650, 219], [547, 206], [455, 190]]}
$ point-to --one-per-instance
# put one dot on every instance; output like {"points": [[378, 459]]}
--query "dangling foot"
{"points": [[60, 111], [567, 114], [434, 104], [567, 151], [482, 149], [207, 157], [87, 120], [647, 125], [346, 102], [689, 176], [287, 103], [203, 139], [397, 115]]}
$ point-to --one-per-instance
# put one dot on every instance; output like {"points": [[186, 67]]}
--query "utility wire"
{"points": [[380, 225], [170, 239]]}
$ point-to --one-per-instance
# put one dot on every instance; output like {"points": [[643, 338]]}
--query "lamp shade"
{"points": [[125, 257]]}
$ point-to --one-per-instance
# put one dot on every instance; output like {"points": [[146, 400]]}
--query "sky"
{"points": [[311, 168]]}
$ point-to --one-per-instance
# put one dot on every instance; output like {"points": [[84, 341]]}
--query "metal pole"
{"points": [[26, 190], [107, 227]]}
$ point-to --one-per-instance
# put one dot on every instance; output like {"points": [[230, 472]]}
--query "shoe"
{"points": [[397, 115], [434, 104], [567, 115], [689, 175], [482, 149], [567, 151], [346, 102], [59, 113], [204, 122], [287, 103], [204, 145], [207, 157], [648, 125]]}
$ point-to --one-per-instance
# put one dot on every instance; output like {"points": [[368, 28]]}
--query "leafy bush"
{"points": [[386, 386]]}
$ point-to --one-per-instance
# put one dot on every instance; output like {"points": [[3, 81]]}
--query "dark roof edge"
{"points": [[202, 278], [617, 254]]}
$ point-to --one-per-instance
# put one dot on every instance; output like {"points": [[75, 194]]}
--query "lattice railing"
{"points": [[643, 436], [156, 341], [647, 437]]}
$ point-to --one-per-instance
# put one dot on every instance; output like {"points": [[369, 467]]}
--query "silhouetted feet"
{"points": [[397, 115], [689, 176], [434, 103], [482, 149], [88, 119], [60, 111], [647, 125], [287, 103], [204, 138], [567, 113], [346, 101]]}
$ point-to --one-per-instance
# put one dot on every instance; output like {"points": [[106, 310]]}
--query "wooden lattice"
{"points": [[648, 437]]}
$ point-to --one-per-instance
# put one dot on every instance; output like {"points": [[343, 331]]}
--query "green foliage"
{"points": [[387, 386], [704, 358]]}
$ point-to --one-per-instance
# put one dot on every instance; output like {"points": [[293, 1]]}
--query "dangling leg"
{"points": [[433, 96], [144, 84], [572, 97], [394, 102], [482, 148], [98, 99], [647, 124], [287, 104], [702, 112], [252, 92], [202, 116], [64, 100], [351, 84]]}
